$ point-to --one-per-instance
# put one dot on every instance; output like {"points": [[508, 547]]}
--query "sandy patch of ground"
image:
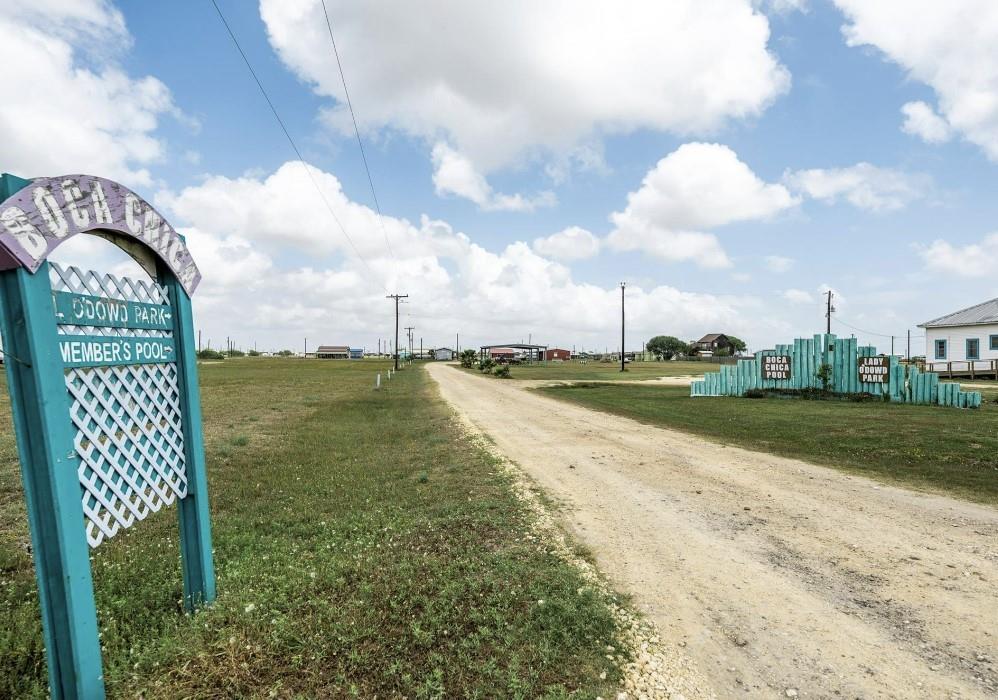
{"points": [[658, 381], [772, 576]]}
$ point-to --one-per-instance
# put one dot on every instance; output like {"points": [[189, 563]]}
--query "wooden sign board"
{"points": [[874, 370], [106, 351], [776, 367], [103, 368], [85, 310]]}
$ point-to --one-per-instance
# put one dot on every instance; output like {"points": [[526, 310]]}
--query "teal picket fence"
{"points": [[807, 355]]}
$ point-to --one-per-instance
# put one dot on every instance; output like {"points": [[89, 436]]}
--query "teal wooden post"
{"points": [[195, 523], [49, 465]]}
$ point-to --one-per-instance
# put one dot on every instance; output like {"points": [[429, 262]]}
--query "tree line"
{"points": [[666, 347]]}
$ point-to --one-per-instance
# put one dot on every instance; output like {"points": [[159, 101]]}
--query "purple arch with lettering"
{"points": [[51, 210]]}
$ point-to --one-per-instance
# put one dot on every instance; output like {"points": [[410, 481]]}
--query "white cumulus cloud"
{"points": [[507, 82], [454, 174], [971, 260], [249, 235], [697, 187], [68, 106], [921, 120], [863, 185], [950, 46], [572, 243]]}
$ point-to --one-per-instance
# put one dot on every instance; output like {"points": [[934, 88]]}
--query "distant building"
{"points": [[502, 354], [968, 335], [557, 354], [445, 354], [356, 353], [333, 352], [712, 343]]}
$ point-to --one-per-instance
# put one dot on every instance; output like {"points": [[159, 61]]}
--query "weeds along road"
{"points": [[772, 574]]}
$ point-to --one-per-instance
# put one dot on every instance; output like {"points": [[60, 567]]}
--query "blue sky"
{"points": [[485, 135]]}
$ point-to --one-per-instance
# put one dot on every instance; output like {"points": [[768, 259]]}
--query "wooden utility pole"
{"points": [[622, 286], [829, 309], [409, 330], [396, 297], [909, 345]]}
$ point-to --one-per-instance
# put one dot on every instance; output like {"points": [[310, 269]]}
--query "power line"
{"points": [[879, 335], [294, 146], [356, 130]]}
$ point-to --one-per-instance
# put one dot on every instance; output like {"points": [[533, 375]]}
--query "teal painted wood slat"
{"points": [[193, 513], [49, 465]]}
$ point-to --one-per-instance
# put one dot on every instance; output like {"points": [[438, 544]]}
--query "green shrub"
{"points": [[824, 375], [209, 354], [502, 372], [253, 353], [468, 358]]}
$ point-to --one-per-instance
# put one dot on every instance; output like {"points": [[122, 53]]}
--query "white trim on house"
{"points": [[968, 335]]}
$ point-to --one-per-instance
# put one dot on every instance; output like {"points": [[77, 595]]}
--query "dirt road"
{"points": [[775, 576]]}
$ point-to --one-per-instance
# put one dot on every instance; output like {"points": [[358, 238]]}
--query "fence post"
{"points": [[49, 472], [192, 510]]}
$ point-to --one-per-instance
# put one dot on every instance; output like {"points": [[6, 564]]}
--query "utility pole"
{"points": [[408, 330], [199, 340], [829, 310], [305, 354], [909, 345], [396, 297], [892, 345], [457, 343], [622, 286]]}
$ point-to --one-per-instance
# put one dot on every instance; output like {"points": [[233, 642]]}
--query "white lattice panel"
{"points": [[127, 418]]}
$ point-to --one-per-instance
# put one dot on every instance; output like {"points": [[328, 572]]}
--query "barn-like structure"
{"points": [[513, 352]]}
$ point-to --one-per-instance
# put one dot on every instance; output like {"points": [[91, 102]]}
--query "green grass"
{"points": [[576, 371], [363, 546], [927, 447]]}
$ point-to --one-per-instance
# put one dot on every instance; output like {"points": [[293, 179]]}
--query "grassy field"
{"points": [[363, 546], [575, 371], [927, 447]]}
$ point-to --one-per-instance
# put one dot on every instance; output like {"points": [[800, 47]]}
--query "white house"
{"points": [[968, 335], [443, 354]]}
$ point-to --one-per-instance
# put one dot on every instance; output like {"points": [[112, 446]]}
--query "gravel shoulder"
{"points": [[773, 577]]}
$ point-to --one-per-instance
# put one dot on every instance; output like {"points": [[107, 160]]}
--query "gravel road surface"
{"points": [[777, 578]]}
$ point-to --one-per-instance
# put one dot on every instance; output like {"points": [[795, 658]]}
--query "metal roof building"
{"points": [[979, 314], [333, 352], [532, 353], [965, 342]]}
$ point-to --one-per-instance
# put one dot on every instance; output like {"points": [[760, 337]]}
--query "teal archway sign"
{"points": [[104, 392]]}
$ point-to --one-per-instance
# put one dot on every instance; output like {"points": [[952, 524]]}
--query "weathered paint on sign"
{"points": [[874, 370], [776, 367], [36, 219], [86, 310], [104, 351]]}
